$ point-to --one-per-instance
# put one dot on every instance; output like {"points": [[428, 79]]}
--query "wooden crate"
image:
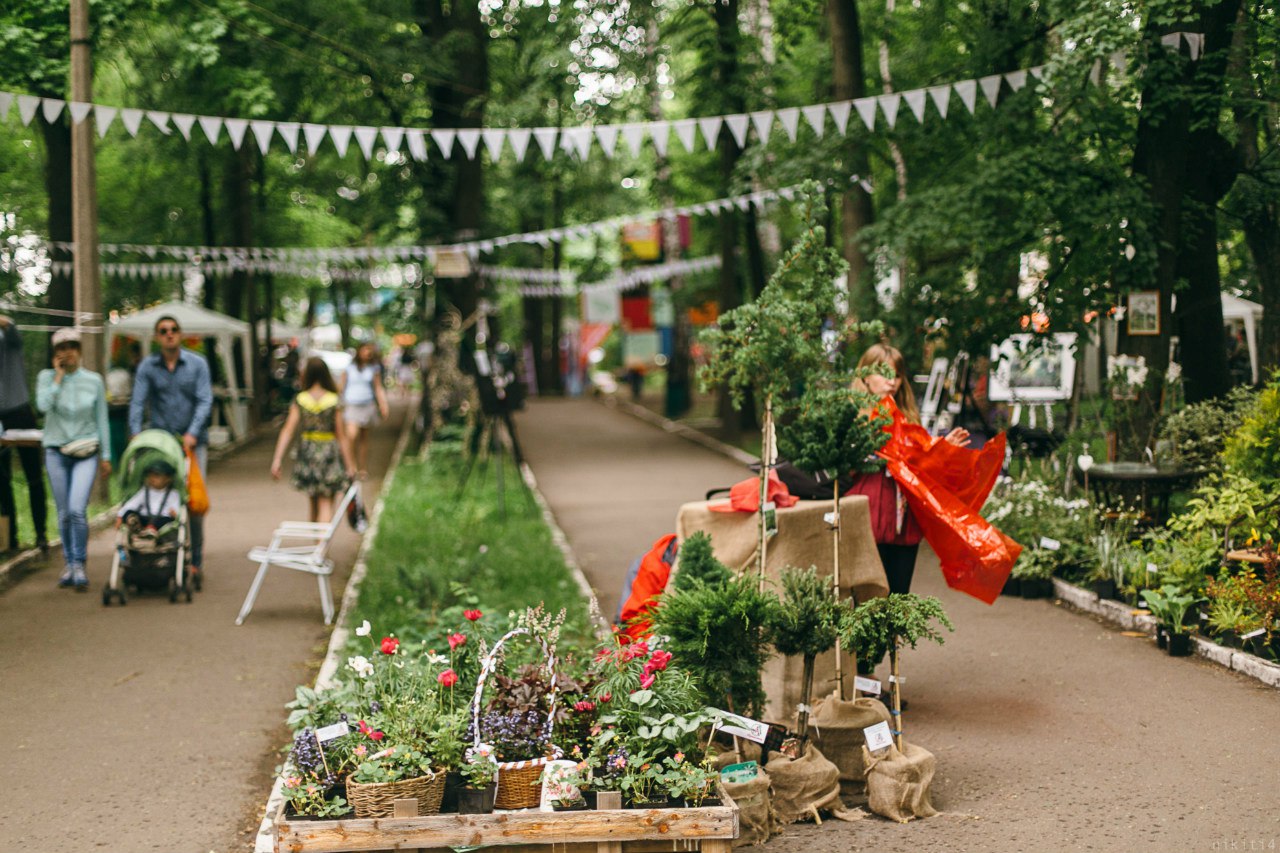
{"points": [[710, 829]]}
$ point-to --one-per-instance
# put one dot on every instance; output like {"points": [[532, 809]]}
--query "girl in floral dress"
{"points": [[323, 464]]}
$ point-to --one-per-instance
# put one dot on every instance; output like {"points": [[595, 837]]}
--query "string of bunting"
{"points": [[576, 141], [392, 275], [630, 279]]}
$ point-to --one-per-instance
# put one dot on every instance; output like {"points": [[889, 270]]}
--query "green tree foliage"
{"points": [[807, 618], [829, 429], [879, 624], [698, 566]]}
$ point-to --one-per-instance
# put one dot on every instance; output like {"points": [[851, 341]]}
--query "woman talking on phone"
{"points": [[77, 445]]}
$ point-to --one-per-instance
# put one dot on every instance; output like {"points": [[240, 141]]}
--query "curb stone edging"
{"points": [[1122, 616], [264, 841]]}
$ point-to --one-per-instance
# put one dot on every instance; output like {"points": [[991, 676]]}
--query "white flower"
{"points": [[364, 629], [437, 660], [361, 665]]}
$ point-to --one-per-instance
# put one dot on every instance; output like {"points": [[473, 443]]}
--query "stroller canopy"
{"points": [[153, 445]]}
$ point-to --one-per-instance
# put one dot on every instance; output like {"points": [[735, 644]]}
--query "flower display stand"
{"points": [[710, 829]]}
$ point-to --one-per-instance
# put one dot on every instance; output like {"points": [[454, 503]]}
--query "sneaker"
{"points": [[79, 579], [68, 577]]}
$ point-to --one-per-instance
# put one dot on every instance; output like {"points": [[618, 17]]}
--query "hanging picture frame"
{"points": [[1143, 312]]}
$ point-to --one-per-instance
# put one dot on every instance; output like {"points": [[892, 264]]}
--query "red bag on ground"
{"points": [[650, 581], [946, 486], [745, 496]]}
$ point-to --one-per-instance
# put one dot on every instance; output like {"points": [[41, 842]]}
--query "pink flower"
{"points": [[389, 645], [456, 640], [448, 678], [292, 782], [584, 706], [471, 615], [376, 736], [658, 661], [363, 727], [679, 756], [647, 681], [361, 750], [606, 696]]}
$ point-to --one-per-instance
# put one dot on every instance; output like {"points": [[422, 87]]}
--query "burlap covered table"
{"points": [[804, 539]]}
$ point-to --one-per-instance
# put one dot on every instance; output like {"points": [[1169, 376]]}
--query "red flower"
{"points": [[635, 650], [456, 640], [603, 654], [364, 728], [606, 696], [448, 678], [584, 705], [376, 735], [471, 615], [647, 681], [657, 662], [389, 645]]}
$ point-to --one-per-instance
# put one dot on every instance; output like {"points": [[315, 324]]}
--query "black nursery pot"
{"points": [[1037, 588], [1179, 645], [1104, 589], [476, 800], [1012, 586], [452, 784], [1162, 637]]}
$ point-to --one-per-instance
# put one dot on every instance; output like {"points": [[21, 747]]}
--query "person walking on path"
{"points": [[77, 444], [174, 387], [323, 465], [365, 400], [16, 413]]}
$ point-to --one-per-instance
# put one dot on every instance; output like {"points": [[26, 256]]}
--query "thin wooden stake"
{"points": [[897, 695], [835, 575], [767, 459]]}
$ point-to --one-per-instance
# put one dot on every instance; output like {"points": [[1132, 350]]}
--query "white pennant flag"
{"points": [[762, 121], [968, 92], [288, 131], [160, 120], [1037, 71], [790, 121], [742, 203], [211, 125], [470, 141], [341, 136], [710, 127], [6, 101], [79, 110], [941, 96], [840, 115], [633, 135], [660, 133], [52, 108], [1171, 40], [365, 137], [27, 106], [493, 138], [816, 116], [915, 101], [737, 125], [1195, 44], [686, 130], [607, 136], [866, 108], [444, 141], [236, 128], [103, 116], [991, 87], [1095, 73], [417, 144], [577, 140], [262, 131], [132, 120], [1119, 61], [184, 122], [1016, 79], [546, 139], [392, 137], [314, 136], [520, 141], [889, 106]]}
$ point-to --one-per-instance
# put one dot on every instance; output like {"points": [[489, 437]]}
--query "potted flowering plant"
{"points": [[479, 781]]}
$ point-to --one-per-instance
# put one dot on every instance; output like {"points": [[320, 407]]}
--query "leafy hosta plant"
{"points": [[1170, 606]]}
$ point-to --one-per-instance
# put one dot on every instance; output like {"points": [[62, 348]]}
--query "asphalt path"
{"points": [[155, 726], [1052, 732]]}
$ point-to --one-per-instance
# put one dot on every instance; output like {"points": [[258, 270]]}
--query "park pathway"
{"points": [[155, 726], [1052, 732]]}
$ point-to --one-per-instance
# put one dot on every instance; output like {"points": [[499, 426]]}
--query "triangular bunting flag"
{"points": [[365, 138], [790, 121], [710, 127], [416, 142], [737, 125], [236, 129], [1016, 79], [866, 108], [6, 101], [889, 106], [444, 141], [52, 108], [184, 122], [633, 135], [132, 120], [1195, 44], [607, 136], [288, 131], [686, 130], [580, 139], [1036, 71], [762, 121], [991, 87], [160, 120], [211, 125], [1095, 73], [546, 139], [392, 137], [27, 106], [915, 102], [520, 141], [1171, 40], [742, 203], [470, 141], [314, 135], [103, 116], [493, 138], [816, 116], [341, 136], [262, 131], [941, 96], [968, 92], [840, 115], [79, 110], [1119, 61], [660, 133]]}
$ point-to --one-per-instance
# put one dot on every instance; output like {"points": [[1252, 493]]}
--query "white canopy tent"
{"points": [[283, 333], [1249, 314], [201, 322]]}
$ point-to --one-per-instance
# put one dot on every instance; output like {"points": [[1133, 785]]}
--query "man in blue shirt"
{"points": [[15, 413], [174, 386]]}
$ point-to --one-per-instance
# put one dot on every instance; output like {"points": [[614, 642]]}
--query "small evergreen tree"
{"points": [[805, 623], [698, 566]]}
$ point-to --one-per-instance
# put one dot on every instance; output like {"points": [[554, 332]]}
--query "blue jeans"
{"points": [[72, 481]]}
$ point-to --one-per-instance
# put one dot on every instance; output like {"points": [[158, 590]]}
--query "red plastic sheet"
{"points": [[946, 487]]}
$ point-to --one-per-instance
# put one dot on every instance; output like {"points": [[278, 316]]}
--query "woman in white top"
{"points": [[364, 400]]}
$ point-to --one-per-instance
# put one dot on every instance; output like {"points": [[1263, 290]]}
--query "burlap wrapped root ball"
{"points": [[756, 823], [802, 786], [835, 727], [898, 782]]}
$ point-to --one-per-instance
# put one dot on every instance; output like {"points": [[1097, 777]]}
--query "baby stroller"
{"points": [[152, 559]]}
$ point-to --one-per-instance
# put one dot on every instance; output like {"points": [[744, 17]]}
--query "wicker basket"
{"points": [[519, 784], [377, 799]]}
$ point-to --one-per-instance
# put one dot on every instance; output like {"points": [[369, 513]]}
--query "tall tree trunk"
{"points": [[239, 192], [57, 184], [209, 295]]}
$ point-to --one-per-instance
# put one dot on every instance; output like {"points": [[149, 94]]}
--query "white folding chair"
{"points": [[312, 557]]}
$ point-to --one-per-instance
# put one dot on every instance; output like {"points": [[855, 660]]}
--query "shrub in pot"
{"points": [[479, 783], [1169, 605]]}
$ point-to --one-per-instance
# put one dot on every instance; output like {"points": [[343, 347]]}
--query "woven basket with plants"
{"points": [[377, 799]]}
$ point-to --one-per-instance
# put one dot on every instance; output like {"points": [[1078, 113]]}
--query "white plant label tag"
{"points": [[866, 685], [743, 727], [897, 679], [1153, 568], [829, 518], [328, 733], [1049, 544], [878, 737], [1252, 634]]}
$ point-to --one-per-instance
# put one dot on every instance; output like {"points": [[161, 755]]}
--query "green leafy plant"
{"points": [[1254, 449], [1035, 564], [1170, 605], [1113, 548], [393, 764], [1231, 504], [1230, 614], [480, 768], [830, 429], [309, 797], [805, 623], [1196, 434], [697, 565], [880, 624]]}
